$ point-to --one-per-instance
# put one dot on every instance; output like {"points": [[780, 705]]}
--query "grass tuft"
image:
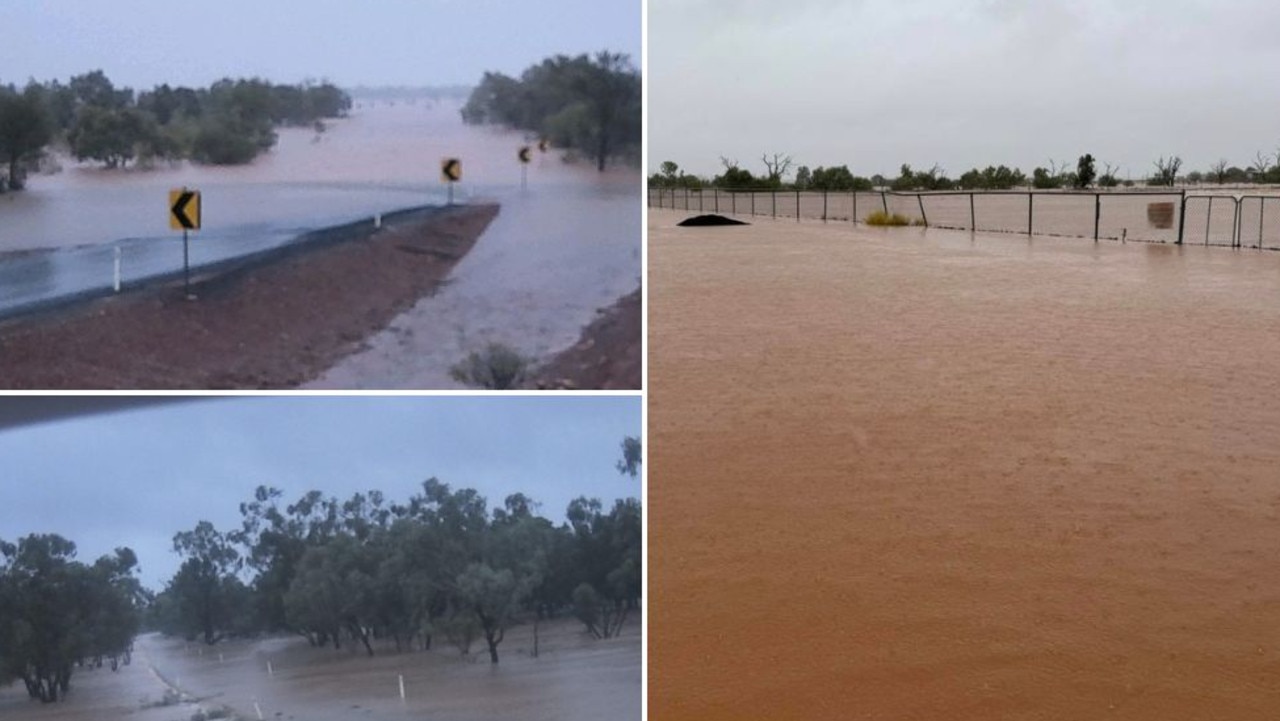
{"points": [[882, 218]]}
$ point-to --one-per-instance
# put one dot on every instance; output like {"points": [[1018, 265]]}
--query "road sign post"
{"points": [[184, 215], [450, 173], [524, 155]]}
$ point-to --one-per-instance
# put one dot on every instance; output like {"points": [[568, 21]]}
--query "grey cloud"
{"points": [[876, 84]]}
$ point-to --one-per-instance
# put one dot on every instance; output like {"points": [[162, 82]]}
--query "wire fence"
{"points": [[1154, 216]]}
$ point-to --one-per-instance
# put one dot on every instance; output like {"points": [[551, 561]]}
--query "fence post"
{"points": [[1207, 217], [824, 205], [1235, 230], [753, 202], [973, 216], [797, 206], [1097, 214], [885, 202], [1182, 217], [699, 200], [920, 200], [1262, 219], [733, 201], [1031, 204], [773, 194], [854, 193], [715, 197]]}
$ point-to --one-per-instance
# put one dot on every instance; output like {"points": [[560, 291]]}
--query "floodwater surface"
{"points": [[567, 240], [930, 474], [574, 678]]}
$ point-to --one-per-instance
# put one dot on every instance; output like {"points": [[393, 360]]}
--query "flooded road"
{"points": [[547, 262], [925, 474], [574, 678], [562, 247]]}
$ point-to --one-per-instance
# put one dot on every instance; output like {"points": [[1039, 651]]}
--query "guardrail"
{"points": [[1159, 216]]}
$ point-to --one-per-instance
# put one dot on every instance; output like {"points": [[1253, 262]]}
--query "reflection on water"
{"points": [[965, 477]]}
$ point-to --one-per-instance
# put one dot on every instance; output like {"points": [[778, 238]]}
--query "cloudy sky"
{"points": [[142, 43], [135, 477], [878, 83]]}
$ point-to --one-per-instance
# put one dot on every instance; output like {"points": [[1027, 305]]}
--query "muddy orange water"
{"points": [[909, 474]]}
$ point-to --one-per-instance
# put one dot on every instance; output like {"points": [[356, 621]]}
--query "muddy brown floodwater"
{"points": [[573, 678], [911, 474]]}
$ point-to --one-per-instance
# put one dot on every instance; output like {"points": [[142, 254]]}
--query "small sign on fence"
{"points": [[1160, 215]]}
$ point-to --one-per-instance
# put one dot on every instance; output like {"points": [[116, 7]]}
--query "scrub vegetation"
{"points": [[227, 123], [1265, 169], [585, 103], [880, 217]]}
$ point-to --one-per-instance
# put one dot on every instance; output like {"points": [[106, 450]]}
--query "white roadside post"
{"points": [[258, 708], [401, 687], [270, 671], [117, 274]]}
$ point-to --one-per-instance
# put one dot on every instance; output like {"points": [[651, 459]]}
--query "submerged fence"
{"points": [[1157, 216]]}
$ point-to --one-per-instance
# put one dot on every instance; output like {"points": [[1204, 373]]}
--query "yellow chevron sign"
{"points": [[184, 209], [450, 170]]}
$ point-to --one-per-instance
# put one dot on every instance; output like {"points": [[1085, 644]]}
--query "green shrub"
{"points": [[882, 218], [218, 144], [498, 367]]}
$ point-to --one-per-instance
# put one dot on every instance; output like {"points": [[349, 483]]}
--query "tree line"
{"points": [[57, 613], [1166, 172], [587, 103], [366, 572], [440, 565], [228, 123]]}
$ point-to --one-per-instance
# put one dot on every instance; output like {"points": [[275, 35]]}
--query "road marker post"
{"points": [[401, 687], [117, 273]]}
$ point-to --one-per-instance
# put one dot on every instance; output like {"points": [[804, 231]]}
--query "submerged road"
{"points": [[553, 256], [44, 276]]}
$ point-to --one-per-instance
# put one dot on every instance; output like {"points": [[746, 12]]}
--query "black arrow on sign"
{"points": [[179, 210], [524, 154], [451, 169]]}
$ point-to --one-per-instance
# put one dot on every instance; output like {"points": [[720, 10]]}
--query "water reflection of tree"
{"points": [[29, 276]]}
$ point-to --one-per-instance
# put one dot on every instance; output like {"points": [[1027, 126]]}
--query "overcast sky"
{"points": [[877, 83], [136, 477], [142, 43]]}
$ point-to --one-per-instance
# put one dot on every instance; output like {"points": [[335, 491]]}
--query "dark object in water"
{"points": [[701, 220]]}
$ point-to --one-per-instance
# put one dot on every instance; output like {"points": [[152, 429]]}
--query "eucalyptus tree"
{"points": [[56, 612]]}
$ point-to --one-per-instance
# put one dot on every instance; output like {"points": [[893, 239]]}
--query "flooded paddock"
{"points": [[1232, 216], [573, 678], [930, 474]]}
